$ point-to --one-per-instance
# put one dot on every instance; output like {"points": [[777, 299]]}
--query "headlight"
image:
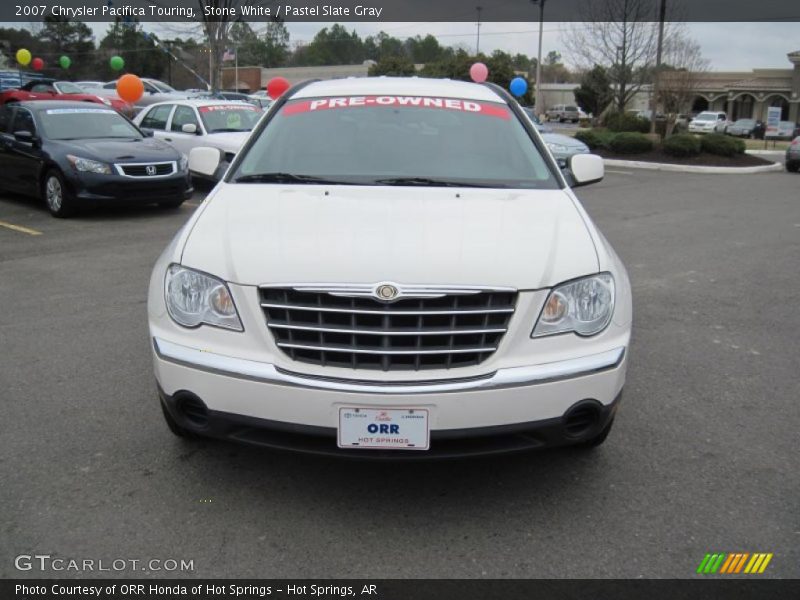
{"points": [[183, 163], [556, 147], [88, 165], [583, 306], [194, 298]]}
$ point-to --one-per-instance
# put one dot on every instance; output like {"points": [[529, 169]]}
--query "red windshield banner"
{"points": [[468, 106]]}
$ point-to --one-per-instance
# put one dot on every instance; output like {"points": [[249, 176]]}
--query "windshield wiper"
{"points": [[426, 181], [289, 178]]}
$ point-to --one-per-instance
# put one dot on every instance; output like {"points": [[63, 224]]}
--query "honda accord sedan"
{"points": [[392, 267], [72, 155]]}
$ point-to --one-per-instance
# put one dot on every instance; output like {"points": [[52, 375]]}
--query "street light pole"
{"points": [[478, 40], [537, 103], [662, 14]]}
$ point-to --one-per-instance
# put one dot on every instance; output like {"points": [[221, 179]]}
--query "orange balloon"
{"points": [[130, 88]]}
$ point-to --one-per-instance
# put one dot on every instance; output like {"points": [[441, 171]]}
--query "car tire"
{"points": [[176, 429], [793, 166], [56, 196], [171, 205]]}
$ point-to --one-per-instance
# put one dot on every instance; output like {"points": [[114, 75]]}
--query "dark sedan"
{"points": [[72, 155], [793, 156]]}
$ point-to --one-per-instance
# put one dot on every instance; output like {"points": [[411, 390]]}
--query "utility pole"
{"points": [[538, 108], [478, 41], [662, 14]]}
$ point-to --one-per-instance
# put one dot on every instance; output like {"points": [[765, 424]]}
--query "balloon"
{"points": [[130, 88], [478, 72], [65, 62], [116, 63], [24, 57], [518, 86], [277, 86], [37, 64]]}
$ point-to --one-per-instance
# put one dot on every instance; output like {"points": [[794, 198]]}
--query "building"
{"points": [[255, 78], [748, 94]]}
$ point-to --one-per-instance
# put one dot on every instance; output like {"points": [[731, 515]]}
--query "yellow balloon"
{"points": [[23, 57]]}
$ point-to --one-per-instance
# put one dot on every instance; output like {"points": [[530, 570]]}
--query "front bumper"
{"points": [[94, 189], [509, 409]]}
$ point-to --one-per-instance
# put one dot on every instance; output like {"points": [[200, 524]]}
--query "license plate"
{"points": [[383, 428]]}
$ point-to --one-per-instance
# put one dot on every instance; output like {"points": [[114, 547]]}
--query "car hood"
{"points": [[564, 140], [229, 141], [255, 234], [122, 150]]}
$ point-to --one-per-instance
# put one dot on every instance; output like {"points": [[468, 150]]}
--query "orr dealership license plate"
{"points": [[384, 428]]}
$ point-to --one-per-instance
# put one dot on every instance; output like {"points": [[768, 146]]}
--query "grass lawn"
{"points": [[770, 145]]}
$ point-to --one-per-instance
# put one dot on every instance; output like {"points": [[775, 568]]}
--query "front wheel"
{"points": [[56, 196]]}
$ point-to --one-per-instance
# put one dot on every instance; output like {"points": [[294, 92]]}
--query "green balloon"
{"points": [[116, 63], [65, 62]]}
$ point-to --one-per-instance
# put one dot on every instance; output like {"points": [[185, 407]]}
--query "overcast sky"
{"points": [[727, 46]]}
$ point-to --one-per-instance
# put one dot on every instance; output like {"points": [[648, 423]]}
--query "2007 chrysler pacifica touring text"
{"points": [[392, 267]]}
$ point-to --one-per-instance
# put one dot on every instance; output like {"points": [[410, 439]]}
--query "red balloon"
{"points": [[37, 64], [277, 86]]}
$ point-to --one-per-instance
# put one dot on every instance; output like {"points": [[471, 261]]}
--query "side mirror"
{"points": [[147, 132], [189, 128], [586, 169], [205, 160], [26, 137]]}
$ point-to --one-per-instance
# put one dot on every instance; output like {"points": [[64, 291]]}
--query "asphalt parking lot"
{"points": [[703, 456]]}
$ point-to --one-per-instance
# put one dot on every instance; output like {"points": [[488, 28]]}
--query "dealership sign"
{"points": [[773, 118]]}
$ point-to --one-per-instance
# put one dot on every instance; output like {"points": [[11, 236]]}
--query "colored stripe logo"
{"points": [[734, 563]]}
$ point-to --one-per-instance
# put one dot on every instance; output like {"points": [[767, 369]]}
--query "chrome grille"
{"points": [[147, 170], [453, 330]]}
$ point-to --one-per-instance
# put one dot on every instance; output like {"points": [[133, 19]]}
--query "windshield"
{"points": [[706, 117], [745, 122], [398, 140], [82, 123], [66, 87], [229, 117], [161, 86]]}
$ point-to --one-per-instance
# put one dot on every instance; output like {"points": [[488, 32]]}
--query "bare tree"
{"points": [[679, 77], [621, 35]]}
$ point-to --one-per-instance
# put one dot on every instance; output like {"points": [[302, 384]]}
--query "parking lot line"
{"points": [[19, 228]]}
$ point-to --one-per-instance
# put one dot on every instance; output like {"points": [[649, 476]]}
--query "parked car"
{"points": [[793, 156], [262, 102], [707, 121], [61, 90], [742, 128], [90, 85], [186, 124], [425, 285], [722, 126], [71, 154], [561, 146], [787, 130], [563, 112], [154, 91]]}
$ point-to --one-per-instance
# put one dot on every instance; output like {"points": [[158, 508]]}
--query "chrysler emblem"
{"points": [[150, 170], [386, 292]]}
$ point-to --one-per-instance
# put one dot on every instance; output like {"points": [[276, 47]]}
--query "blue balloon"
{"points": [[518, 86]]}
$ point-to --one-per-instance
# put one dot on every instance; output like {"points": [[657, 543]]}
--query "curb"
{"points": [[767, 152], [638, 164]]}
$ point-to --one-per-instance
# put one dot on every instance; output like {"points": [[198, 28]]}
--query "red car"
{"points": [[62, 90]]}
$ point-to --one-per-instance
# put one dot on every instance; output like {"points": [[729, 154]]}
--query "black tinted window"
{"points": [[23, 121], [183, 116], [5, 118], [157, 117]]}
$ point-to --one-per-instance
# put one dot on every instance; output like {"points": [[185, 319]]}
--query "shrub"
{"points": [[722, 145], [627, 122], [591, 138], [682, 144], [630, 143]]}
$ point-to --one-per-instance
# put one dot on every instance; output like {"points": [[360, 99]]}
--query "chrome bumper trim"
{"points": [[502, 378]]}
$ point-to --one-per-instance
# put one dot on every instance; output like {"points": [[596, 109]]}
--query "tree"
{"points": [[424, 50], [594, 93], [552, 58], [620, 35], [393, 65], [679, 78], [61, 36], [522, 62], [137, 49]]}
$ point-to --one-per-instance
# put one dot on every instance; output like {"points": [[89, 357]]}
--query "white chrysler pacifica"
{"points": [[392, 267]]}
